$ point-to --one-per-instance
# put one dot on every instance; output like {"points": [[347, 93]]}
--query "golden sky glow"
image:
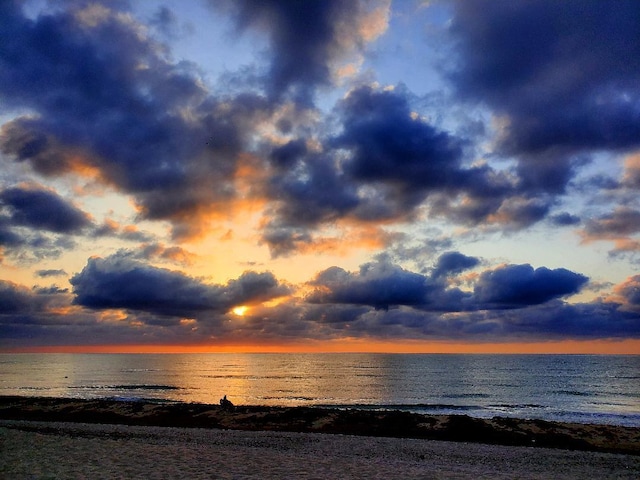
{"points": [[598, 347]]}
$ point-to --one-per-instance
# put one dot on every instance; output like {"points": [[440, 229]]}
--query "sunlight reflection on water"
{"points": [[566, 387]]}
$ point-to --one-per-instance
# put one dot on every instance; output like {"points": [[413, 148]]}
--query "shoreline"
{"points": [[363, 423]]}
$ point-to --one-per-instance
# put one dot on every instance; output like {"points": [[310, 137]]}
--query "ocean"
{"points": [[576, 388]]}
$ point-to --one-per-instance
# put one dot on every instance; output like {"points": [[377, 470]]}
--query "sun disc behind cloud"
{"points": [[240, 310]]}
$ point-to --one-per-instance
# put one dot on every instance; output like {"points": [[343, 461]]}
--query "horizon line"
{"points": [[569, 347]]}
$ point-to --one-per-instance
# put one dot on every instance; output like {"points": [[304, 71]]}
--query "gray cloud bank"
{"points": [[130, 301]]}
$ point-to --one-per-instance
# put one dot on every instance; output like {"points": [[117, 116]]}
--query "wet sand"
{"points": [[69, 438]]}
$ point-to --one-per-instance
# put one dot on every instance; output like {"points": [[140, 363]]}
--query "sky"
{"points": [[270, 175]]}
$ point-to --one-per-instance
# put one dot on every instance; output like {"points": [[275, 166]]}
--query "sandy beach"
{"points": [[102, 438], [67, 450]]}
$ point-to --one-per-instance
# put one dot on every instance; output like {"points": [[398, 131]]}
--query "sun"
{"points": [[240, 310]]}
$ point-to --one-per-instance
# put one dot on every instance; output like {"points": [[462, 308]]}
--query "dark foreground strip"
{"points": [[460, 428]]}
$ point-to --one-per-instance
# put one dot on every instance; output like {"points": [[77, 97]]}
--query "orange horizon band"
{"points": [[603, 347]]}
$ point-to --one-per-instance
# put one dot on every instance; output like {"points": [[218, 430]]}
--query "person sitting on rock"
{"points": [[226, 404]]}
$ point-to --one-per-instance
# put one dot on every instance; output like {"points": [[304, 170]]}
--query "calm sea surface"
{"points": [[583, 388]]}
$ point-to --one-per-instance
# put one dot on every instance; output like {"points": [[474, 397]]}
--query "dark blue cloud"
{"points": [[564, 219], [9, 238], [15, 298], [389, 146], [452, 263], [563, 74], [41, 209], [51, 290], [519, 285], [553, 320], [51, 273], [380, 285], [314, 193], [287, 155], [306, 39], [122, 283], [37, 223], [581, 321]]}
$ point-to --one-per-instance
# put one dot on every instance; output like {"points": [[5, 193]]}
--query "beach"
{"points": [[70, 438], [75, 450]]}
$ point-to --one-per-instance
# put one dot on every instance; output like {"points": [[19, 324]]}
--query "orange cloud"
{"points": [[354, 236]]}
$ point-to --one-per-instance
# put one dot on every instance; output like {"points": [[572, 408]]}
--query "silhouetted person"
{"points": [[226, 404]]}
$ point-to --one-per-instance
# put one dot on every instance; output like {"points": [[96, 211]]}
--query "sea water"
{"points": [[577, 388]]}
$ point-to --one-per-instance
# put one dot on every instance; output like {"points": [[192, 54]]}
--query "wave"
{"points": [[467, 395], [297, 398], [575, 393], [258, 377], [124, 387], [139, 370], [413, 407], [518, 406]]}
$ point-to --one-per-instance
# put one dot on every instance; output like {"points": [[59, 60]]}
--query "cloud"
{"points": [[564, 73], [627, 294], [309, 41], [174, 253], [313, 193], [622, 222], [453, 263], [7, 237], [555, 320], [631, 175], [564, 219], [118, 282], [617, 218], [113, 299], [561, 76], [519, 285], [22, 303], [28, 247], [384, 163], [15, 298], [579, 321], [380, 285], [51, 273], [37, 223], [42, 209], [104, 100], [390, 146], [111, 228], [631, 290], [383, 285]]}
